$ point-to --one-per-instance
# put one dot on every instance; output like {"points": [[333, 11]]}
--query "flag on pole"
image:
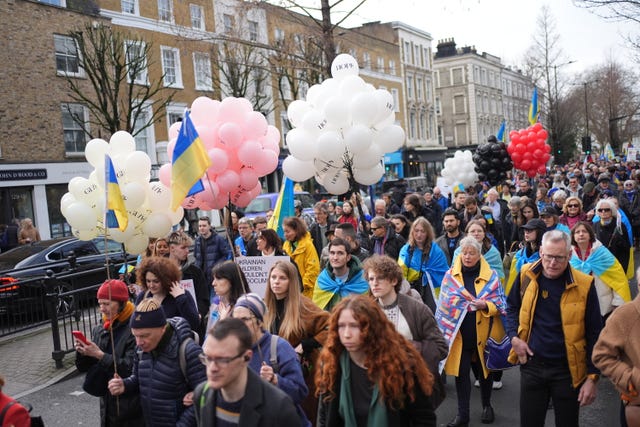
{"points": [[188, 163], [534, 108], [501, 135], [608, 152], [284, 207], [116, 215], [458, 188]]}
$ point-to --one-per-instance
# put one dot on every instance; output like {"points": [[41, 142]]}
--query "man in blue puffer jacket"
{"points": [[158, 372]]}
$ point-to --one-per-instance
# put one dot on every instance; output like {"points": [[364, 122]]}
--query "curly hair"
{"points": [[385, 268], [166, 270], [392, 362]]}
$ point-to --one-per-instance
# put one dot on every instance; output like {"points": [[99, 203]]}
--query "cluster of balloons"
{"points": [[147, 203], [242, 147], [529, 151], [341, 131], [459, 169], [492, 161]]}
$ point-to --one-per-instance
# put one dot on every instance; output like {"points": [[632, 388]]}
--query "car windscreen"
{"points": [[261, 204]]}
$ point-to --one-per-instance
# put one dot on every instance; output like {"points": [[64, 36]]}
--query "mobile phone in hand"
{"points": [[80, 337]]}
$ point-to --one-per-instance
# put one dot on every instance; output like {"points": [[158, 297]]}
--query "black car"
{"points": [[69, 262]]}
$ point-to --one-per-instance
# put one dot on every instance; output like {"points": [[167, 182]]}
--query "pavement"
{"points": [[27, 365]]}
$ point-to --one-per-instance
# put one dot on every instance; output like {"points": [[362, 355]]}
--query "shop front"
{"points": [[393, 166], [425, 163]]}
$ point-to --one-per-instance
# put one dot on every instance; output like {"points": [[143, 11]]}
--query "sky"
{"points": [[505, 28]]}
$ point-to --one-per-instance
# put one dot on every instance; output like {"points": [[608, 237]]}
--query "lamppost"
{"points": [[556, 118], [587, 136]]}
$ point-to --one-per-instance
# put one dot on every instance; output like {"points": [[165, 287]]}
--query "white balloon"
{"points": [[336, 110], [330, 146], [80, 216], [358, 138], [85, 234], [385, 103], [301, 144], [121, 236], [136, 244], [364, 108], [138, 167], [314, 121], [390, 138], [336, 183], [159, 198], [312, 94], [121, 142], [387, 121], [65, 201], [296, 111], [368, 158], [369, 176], [84, 190], [344, 65], [297, 169], [157, 224], [176, 216], [134, 194], [95, 151], [351, 85]]}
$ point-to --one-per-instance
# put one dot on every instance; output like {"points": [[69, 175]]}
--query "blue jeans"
{"points": [[541, 380]]}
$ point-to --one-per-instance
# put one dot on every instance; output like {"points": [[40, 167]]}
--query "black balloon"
{"points": [[492, 161]]}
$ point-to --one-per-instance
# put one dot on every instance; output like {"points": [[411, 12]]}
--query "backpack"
{"points": [[182, 356], [273, 354], [36, 421]]}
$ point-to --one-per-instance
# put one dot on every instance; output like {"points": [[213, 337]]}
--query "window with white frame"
{"points": [[428, 92], [253, 31], [67, 56], [423, 125], [392, 67], [279, 35], [419, 88], [165, 10], [427, 58], [285, 87], [412, 125], [174, 113], [143, 137], [438, 106], [75, 120], [457, 76], [416, 55], [136, 62], [366, 60], [431, 126], [396, 100], [171, 66], [197, 16], [130, 6], [202, 71], [410, 87], [380, 64], [407, 53], [227, 22]]}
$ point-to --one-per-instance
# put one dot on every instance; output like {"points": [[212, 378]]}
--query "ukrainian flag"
{"points": [[501, 135], [116, 215], [189, 162], [534, 108], [284, 207]]}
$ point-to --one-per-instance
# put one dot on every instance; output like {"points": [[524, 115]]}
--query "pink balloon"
{"points": [[165, 174], [234, 163], [250, 153], [208, 135], [255, 125], [221, 201], [204, 111], [210, 193], [248, 178], [230, 135], [256, 191], [219, 161], [190, 202], [268, 163], [232, 110], [273, 135], [271, 145], [228, 180], [174, 130], [245, 105], [170, 147]]}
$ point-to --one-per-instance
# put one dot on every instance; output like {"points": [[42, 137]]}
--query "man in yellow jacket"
{"points": [[553, 321]]}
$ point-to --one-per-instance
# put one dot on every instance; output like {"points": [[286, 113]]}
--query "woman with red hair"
{"points": [[368, 374]]}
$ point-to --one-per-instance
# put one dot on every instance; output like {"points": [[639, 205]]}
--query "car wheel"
{"points": [[66, 303]]}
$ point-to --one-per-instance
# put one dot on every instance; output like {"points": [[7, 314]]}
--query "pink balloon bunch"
{"points": [[242, 147], [528, 149]]}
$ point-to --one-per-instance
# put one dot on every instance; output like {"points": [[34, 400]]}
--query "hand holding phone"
{"points": [[80, 337]]}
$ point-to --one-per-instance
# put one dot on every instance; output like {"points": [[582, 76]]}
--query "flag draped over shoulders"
{"points": [[433, 267], [328, 286], [519, 259]]}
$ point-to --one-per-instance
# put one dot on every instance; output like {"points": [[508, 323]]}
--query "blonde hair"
{"points": [[291, 324]]}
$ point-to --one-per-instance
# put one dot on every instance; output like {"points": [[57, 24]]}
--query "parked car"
{"points": [[78, 264], [264, 202]]}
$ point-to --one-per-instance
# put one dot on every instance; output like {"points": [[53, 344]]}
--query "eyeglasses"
{"points": [[554, 258], [222, 362], [604, 210], [573, 206]]}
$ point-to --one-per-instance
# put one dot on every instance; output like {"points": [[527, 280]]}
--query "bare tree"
{"points": [[115, 65]]}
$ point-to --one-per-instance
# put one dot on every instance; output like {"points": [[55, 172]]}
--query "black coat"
{"points": [[617, 241]]}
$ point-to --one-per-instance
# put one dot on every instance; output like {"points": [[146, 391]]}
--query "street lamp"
{"points": [[587, 137], [556, 119]]}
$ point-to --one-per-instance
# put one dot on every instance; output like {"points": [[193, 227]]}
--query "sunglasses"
{"points": [[573, 206], [604, 210]]}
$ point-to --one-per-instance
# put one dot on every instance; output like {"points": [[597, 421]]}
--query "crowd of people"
{"points": [[366, 314]]}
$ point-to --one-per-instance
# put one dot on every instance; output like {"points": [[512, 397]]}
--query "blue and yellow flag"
{"points": [[188, 163], [116, 215], [458, 188], [284, 207], [501, 135], [534, 108]]}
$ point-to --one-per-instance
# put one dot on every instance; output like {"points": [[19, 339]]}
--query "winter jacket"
{"points": [[317, 235], [263, 405], [330, 290], [306, 258], [159, 379], [391, 243], [201, 287], [183, 306], [209, 252], [99, 372]]}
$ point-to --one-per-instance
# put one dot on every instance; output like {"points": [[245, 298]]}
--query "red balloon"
{"points": [[542, 169], [540, 143], [526, 164], [513, 134], [546, 157], [528, 155], [547, 148], [538, 154], [531, 173], [515, 139], [531, 136], [511, 148], [532, 146], [521, 148], [516, 158], [542, 134], [536, 127]]}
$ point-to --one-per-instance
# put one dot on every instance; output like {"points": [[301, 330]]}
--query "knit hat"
{"points": [[148, 314], [253, 303], [119, 291]]}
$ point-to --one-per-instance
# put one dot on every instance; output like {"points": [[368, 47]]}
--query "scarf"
{"points": [[328, 286], [122, 317], [377, 408]]}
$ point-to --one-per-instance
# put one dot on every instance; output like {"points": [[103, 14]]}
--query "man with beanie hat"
{"points": [[167, 368], [273, 359], [98, 356]]}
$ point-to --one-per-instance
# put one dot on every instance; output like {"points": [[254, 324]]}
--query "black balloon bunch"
{"points": [[492, 161]]}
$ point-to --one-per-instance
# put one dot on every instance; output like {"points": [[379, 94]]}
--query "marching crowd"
{"points": [[367, 314]]}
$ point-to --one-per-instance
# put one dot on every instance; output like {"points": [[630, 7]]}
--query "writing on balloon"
{"points": [[346, 66], [322, 125], [90, 189]]}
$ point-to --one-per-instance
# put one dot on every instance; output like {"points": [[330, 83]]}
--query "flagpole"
{"points": [[229, 226]]}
